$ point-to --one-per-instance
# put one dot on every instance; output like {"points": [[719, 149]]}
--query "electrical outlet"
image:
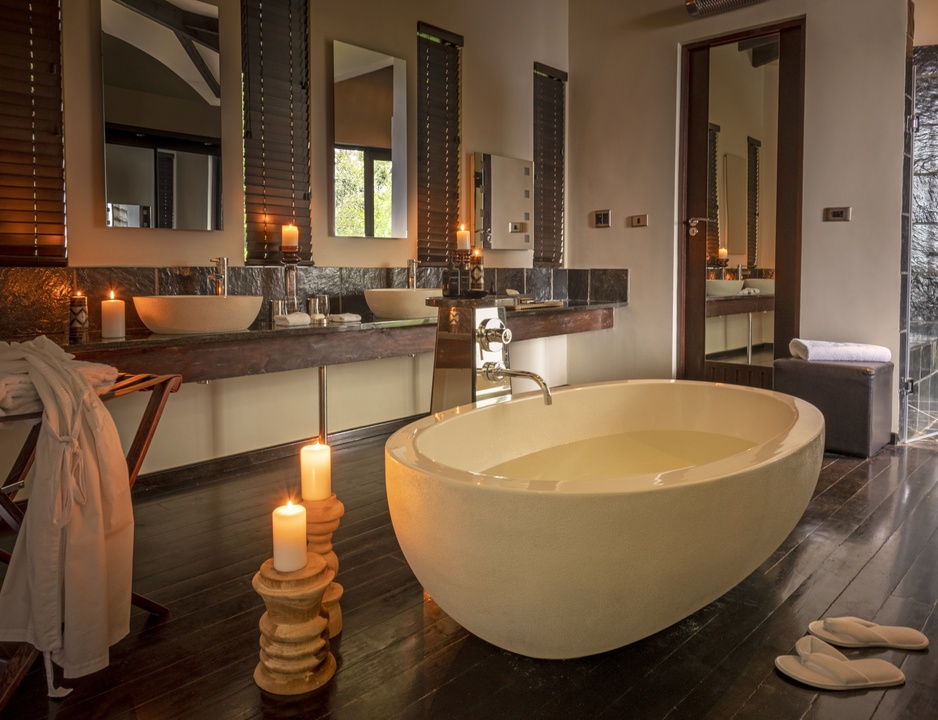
{"points": [[515, 227], [638, 221], [602, 219]]}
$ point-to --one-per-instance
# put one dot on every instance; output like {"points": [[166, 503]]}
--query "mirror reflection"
{"points": [[162, 114], [370, 143], [503, 202], [740, 307]]}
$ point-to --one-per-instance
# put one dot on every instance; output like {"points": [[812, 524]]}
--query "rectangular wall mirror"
{"points": [[162, 114], [503, 202], [370, 143]]}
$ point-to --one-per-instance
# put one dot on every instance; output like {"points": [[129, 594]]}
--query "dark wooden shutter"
{"points": [[549, 124], [32, 145], [752, 201], [275, 72], [713, 203], [438, 143]]}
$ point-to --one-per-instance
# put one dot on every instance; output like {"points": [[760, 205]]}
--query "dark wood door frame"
{"points": [[695, 90]]}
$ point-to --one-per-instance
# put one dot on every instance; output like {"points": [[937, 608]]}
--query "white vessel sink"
{"points": [[191, 314], [402, 303], [724, 288]]}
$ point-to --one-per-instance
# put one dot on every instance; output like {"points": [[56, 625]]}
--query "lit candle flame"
{"points": [[112, 294]]}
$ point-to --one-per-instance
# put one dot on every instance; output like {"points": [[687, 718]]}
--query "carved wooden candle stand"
{"points": [[322, 519], [295, 655]]}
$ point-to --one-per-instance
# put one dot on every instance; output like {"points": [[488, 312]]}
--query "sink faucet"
{"points": [[411, 273], [219, 278], [495, 371]]}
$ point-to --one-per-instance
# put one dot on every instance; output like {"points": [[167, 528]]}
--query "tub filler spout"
{"points": [[494, 372]]}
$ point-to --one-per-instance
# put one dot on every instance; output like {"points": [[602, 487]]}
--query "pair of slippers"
{"points": [[819, 665]]}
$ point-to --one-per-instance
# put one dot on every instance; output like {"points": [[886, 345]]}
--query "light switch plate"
{"points": [[602, 218], [638, 221], [838, 214]]}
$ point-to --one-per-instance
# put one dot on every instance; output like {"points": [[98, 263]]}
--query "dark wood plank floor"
{"points": [[867, 545]]}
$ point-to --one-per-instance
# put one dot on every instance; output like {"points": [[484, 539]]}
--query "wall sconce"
{"points": [[703, 8]]}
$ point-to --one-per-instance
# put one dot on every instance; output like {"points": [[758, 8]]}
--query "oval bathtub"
{"points": [[662, 496]]}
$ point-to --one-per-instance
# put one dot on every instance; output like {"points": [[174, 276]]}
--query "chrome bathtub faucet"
{"points": [[494, 372]]}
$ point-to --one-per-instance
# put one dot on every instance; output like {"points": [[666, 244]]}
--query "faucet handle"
{"points": [[220, 262], [492, 332]]}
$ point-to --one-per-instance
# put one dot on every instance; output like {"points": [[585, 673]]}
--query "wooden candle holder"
{"points": [[295, 656], [322, 520]]}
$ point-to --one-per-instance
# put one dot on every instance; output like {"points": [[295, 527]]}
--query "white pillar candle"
{"points": [[289, 523], [112, 318], [289, 238], [316, 471], [462, 238]]}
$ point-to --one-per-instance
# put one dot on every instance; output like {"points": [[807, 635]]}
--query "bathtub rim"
{"points": [[806, 425]]}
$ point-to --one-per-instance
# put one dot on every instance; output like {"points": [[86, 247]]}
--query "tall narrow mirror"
{"points": [[370, 143], [162, 113], [743, 112]]}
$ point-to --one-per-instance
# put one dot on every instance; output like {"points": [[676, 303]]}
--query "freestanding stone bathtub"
{"points": [[567, 530]]}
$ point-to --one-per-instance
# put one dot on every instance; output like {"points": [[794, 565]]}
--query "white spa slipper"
{"points": [[822, 666], [855, 632]]}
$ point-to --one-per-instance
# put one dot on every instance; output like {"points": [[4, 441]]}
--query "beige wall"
{"points": [[623, 94], [232, 416], [623, 155]]}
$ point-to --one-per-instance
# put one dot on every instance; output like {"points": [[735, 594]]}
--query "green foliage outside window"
{"points": [[353, 197]]}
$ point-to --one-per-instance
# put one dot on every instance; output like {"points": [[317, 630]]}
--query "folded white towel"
{"points": [[821, 351], [18, 395], [294, 319], [345, 318], [749, 291]]}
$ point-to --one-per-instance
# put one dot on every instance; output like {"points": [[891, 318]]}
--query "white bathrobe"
{"points": [[67, 590]]}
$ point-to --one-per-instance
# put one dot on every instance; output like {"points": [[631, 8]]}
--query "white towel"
{"points": [[821, 351], [294, 319], [345, 318], [18, 395]]}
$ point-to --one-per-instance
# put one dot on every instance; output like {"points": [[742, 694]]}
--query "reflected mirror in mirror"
{"points": [[370, 143], [743, 103], [162, 114], [503, 202]]}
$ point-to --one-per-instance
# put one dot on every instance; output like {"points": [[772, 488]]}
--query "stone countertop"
{"points": [[263, 350]]}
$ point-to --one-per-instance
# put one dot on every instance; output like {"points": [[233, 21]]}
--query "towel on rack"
{"points": [[18, 395], [823, 351], [67, 590]]}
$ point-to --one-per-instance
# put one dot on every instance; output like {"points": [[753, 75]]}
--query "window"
{"points": [[438, 143], [362, 191], [549, 124], [32, 174], [275, 72]]}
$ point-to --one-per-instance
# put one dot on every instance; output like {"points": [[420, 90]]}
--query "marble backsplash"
{"points": [[35, 300]]}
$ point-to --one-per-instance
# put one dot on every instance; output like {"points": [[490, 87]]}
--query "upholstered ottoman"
{"points": [[855, 399]]}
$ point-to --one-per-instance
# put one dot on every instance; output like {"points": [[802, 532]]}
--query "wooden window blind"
{"points": [[549, 132], [752, 205], [713, 204], [275, 76], [438, 143], [32, 143]]}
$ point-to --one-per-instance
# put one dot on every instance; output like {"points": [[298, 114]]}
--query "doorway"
{"points": [[741, 302]]}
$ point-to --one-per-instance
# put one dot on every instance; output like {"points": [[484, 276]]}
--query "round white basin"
{"points": [[402, 303], [192, 314], [724, 288]]}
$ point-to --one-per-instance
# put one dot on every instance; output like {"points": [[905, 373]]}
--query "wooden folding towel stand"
{"points": [[160, 387]]}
